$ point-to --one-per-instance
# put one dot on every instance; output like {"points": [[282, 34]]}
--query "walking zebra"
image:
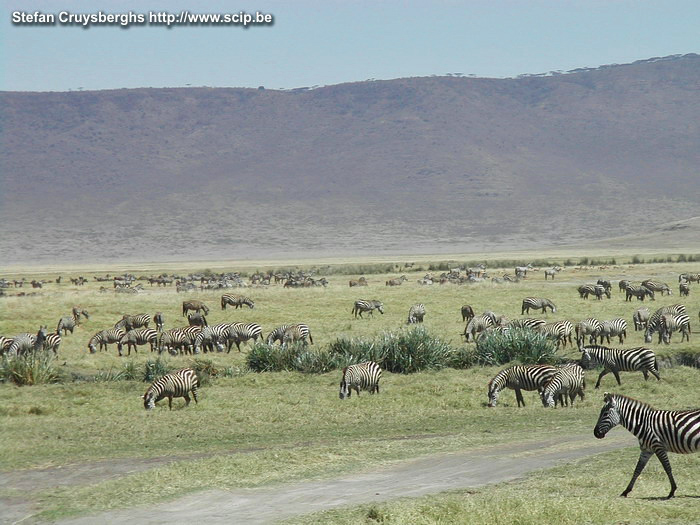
{"points": [[613, 327], [674, 323], [658, 431], [66, 324], [568, 381], [159, 319], [654, 324], [194, 305], [362, 376], [656, 286], [618, 360], [587, 327], [104, 338], [537, 303], [467, 313], [297, 332], [528, 377], [240, 332], [640, 292], [130, 322], [641, 318], [416, 313], [137, 337], [560, 331], [684, 289], [52, 342], [477, 325], [178, 384], [362, 305], [237, 301], [197, 319], [211, 336], [24, 343]]}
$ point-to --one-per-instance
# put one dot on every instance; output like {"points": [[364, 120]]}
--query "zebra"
{"points": [[24, 343], [654, 324], [532, 324], [617, 360], [5, 343], [569, 380], [137, 337], [298, 331], [196, 319], [537, 303], [159, 319], [587, 327], [241, 332], [173, 340], [593, 289], [416, 313], [641, 318], [478, 325], [690, 277], [528, 377], [467, 313], [605, 284], [551, 272], [194, 305], [237, 301], [65, 324], [674, 323], [77, 311], [52, 342], [640, 292], [658, 431], [613, 327], [623, 284], [561, 331], [211, 336], [130, 322], [684, 289], [362, 376], [362, 305], [656, 286], [359, 282], [104, 338], [396, 282], [178, 384]]}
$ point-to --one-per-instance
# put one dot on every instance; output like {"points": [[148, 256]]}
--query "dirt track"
{"points": [[265, 505]]}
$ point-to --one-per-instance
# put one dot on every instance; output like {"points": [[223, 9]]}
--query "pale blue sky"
{"points": [[329, 42]]}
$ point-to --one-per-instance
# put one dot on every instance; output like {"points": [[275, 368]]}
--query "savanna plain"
{"points": [[253, 429]]}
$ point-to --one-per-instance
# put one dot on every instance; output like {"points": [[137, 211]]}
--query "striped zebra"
{"points": [[25, 343], [690, 277], [362, 376], [77, 312], [467, 313], [518, 378], [5, 343], [537, 303], [159, 319], [52, 342], [560, 331], [605, 284], [587, 327], [66, 324], [194, 305], [416, 313], [618, 360], [237, 301], [362, 305], [174, 340], [298, 331], [656, 286], [684, 289], [658, 432], [138, 337], [178, 384], [104, 338], [674, 323], [593, 289], [640, 318], [396, 282], [529, 323], [567, 382], [551, 272], [130, 322], [654, 324], [240, 332], [212, 336], [197, 319], [613, 328], [623, 284], [478, 325], [640, 292]]}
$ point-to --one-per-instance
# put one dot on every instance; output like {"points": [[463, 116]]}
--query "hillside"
{"points": [[439, 164]]}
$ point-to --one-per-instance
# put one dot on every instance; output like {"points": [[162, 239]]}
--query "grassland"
{"points": [[253, 429]]}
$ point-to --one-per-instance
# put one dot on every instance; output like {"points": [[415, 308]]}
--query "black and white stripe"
{"points": [[52, 342], [130, 322], [560, 331], [656, 286], [179, 384], [616, 360], [658, 432], [362, 305], [212, 336], [416, 313], [66, 324], [477, 325], [518, 378], [175, 340], [362, 376], [674, 323], [684, 289], [138, 337], [5, 343], [528, 322], [290, 333], [104, 338], [587, 327], [25, 343], [566, 383], [194, 305], [159, 319], [598, 290], [237, 301], [613, 328], [640, 292], [241, 332], [654, 324], [537, 303]]}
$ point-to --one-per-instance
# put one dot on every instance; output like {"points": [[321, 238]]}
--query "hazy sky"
{"points": [[328, 42]]}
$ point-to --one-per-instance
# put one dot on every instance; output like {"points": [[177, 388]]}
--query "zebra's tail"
{"points": [[311, 339]]}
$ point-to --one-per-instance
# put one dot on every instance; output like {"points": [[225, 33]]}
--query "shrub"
{"points": [[33, 368], [519, 344], [155, 369]]}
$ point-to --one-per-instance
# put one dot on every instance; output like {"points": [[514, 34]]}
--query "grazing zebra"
{"points": [[640, 292], [587, 327], [237, 301], [178, 384], [104, 338], [528, 377], [568, 381], [52, 342], [656, 286], [654, 324], [362, 376], [197, 319], [684, 289], [477, 325], [690, 277], [194, 305], [174, 340], [65, 324], [605, 284], [641, 318], [467, 313], [532, 324], [617, 360], [593, 289], [137, 337], [537, 303], [24, 343], [77, 312], [359, 282], [623, 284], [297, 332], [362, 305], [674, 323], [551, 272], [129, 322], [211, 336], [561, 331], [396, 282], [240, 332], [416, 313], [613, 327], [159, 319], [658, 431]]}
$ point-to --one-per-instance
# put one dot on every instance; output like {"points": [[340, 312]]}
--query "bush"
{"points": [[33, 368], [155, 369], [518, 344]]}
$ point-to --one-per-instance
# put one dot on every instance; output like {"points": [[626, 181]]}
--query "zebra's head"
{"points": [[91, 347], [149, 399], [585, 356], [344, 388], [647, 334], [493, 395], [609, 417], [40, 337], [548, 398], [379, 306]]}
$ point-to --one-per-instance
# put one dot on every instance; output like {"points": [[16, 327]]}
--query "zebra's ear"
{"points": [[607, 397]]}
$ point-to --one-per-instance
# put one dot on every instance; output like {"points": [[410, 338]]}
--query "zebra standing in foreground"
{"points": [[416, 313], [654, 324], [528, 377], [621, 360], [66, 324], [560, 331], [361, 305], [674, 323], [641, 318], [138, 337], [568, 381], [362, 376], [178, 384], [537, 303], [104, 338], [658, 432], [237, 301], [240, 332], [613, 327], [24, 343]]}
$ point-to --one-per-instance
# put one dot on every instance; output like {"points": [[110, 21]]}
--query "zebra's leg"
{"points": [[604, 372], [187, 399], [170, 402], [644, 456], [519, 397], [617, 376], [663, 458], [194, 394]]}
